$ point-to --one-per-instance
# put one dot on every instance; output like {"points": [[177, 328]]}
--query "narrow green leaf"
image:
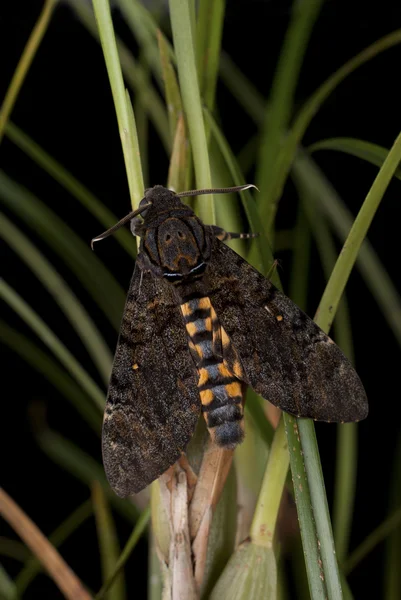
{"points": [[33, 566], [133, 73], [357, 234], [298, 291], [346, 463], [70, 183], [25, 62], [310, 541], [308, 111], [372, 153], [185, 54], [138, 531], [126, 124], [208, 44], [144, 28], [74, 252], [375, 275], [65, 298], [172, 91], [108, 543], [379, 534], [83, 467], [265, 517], [50, 369], [13, 549], [8, 590], [280, 105], [47, 336]]}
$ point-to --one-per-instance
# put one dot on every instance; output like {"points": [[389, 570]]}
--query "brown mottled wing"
{"points": [[153, 401], [286, 357]]}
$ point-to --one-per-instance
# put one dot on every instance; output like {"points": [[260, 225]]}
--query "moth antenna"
{"points": [[123, 221], [237, 188]]}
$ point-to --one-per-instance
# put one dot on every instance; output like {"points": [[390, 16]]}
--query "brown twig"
{"points": [[59, 571]]}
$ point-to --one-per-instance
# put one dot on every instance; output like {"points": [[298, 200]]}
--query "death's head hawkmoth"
{"points": [[199, 322]]}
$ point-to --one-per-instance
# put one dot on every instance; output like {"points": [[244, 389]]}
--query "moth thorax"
{"points": [[178, 250]]}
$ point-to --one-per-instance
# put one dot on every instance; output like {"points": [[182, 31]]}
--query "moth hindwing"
{"points": [[198, 324]]}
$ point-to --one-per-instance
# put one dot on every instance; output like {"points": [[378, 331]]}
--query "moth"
{"points": [[199, 322]]}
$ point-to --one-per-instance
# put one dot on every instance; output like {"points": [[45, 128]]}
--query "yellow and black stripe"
{"points": [[219, 385]]}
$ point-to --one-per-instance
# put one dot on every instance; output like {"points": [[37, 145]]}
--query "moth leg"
{"points": [[224, 236]]}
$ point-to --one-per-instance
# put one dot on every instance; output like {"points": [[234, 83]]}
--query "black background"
{"points": [[65, 105]]}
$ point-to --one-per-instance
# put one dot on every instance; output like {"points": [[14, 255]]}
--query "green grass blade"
{"points": [[372, 153], [324, 318], [310, 541], [33, 566], [70, 183], [143, 27], [13, 549], [281, 101], [83, 467], [373, 539], [137, 532], [126, 124], [67, 301], [344, 265], [309, 110], [74, 252], [265, 517], [185, 54], [208, 44], [133, 73], [47, 336], [8, 590], [346, 463], [373, 272], [108, 543], [25, 62], [51, 370], [172, 91], [298, 291]]}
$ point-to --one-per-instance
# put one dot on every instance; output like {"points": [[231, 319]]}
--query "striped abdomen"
{"points": [[219, 385]]}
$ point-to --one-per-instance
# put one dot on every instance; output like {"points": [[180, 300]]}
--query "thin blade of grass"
{"points": [[126, 123], [324, 317], [280, 105], [372, 153], [172, 91], [69, 304], [33, 566], [138, 531], [379, 534], [59, 571], [357, 234], [70, 183], [14, 549], [8, 590], [185, 54], [74, 252], [298, 291], [25, 62], [308, 111], [51, 370], [208, 43], [346, 463], [133, 73], [47, 336], [375, 275], [108, 543], [265, 517], [83, 467]]}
